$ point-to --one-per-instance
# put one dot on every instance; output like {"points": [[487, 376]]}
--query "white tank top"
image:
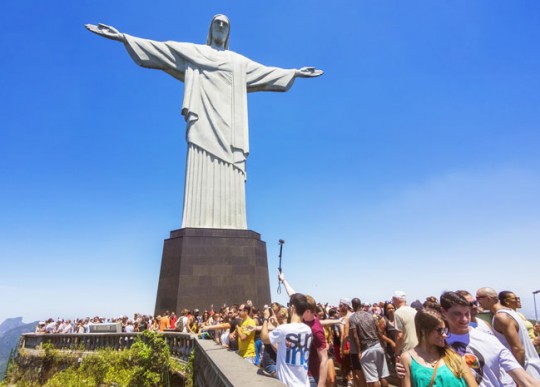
{"points": [[532, 361]]}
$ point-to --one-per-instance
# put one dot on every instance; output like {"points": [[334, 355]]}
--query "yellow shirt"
{"points": [[246, 348]]}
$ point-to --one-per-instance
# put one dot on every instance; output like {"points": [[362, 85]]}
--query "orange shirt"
{"points": [[163, 323]]}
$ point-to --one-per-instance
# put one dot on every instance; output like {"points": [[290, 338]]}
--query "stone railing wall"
{"points": [[214, 365], [217, 366], [180, 344]]}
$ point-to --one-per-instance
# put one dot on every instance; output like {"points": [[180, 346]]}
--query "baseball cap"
{"points": [[345, 301], [399, 295]]}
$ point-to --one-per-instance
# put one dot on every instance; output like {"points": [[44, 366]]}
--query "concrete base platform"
{"points": [[201, 267]]}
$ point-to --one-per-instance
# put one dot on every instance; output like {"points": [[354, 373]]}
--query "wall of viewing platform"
{"points": [[214, 365]]}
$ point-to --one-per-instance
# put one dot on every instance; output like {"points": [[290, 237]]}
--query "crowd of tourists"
{"points": [[138, 323], [445, 341]]}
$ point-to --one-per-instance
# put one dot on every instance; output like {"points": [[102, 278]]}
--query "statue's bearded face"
{"points": [[220, 31]]}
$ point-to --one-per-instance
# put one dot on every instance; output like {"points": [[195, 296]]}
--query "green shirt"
{"points": [[421, 376]]}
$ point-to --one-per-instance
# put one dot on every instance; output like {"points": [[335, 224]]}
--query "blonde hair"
{"points": [[453, 361]]}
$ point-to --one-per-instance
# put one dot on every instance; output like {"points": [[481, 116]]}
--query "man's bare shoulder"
{"points": [[503, 318], [504, 322]]}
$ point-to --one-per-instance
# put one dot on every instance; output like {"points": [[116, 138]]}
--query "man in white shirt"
{"points": [[67, 327], [404, 318], [490, 361], [292, 343], [129, 327]]}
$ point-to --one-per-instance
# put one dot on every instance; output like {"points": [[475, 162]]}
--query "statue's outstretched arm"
{"points": [[106, 31], [308, 72]]}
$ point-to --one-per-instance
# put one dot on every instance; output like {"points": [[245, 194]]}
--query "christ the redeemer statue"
{"points": [[216, 83]]}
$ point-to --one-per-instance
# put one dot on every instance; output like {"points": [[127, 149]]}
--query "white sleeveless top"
{"points": [[532, 361]]}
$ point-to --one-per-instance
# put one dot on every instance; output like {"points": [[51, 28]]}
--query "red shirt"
{"points": [[318, 342]]}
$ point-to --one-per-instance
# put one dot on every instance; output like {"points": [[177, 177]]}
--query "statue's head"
{"points": [[219, 32]]}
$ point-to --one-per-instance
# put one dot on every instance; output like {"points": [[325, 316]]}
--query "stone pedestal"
{"points": [[201, 267]]}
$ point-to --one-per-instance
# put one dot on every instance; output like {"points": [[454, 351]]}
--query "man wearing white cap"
{"points": [[404, 319]]}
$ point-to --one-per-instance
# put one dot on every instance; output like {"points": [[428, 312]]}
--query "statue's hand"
{"points": [[309, 72], [105, 31]]}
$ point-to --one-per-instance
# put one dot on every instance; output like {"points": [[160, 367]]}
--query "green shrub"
{"points": [[146, 363]]}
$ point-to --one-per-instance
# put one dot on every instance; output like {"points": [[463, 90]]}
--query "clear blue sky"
{"points": [[416, 152]]}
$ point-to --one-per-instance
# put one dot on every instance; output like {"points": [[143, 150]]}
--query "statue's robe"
{"points": [[215, 109]]}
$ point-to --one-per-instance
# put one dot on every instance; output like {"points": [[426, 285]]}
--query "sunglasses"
{"points": [[442, 331]]}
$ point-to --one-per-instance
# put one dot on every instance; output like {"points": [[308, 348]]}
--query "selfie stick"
{"points": [[281, 242], [535, 311]]}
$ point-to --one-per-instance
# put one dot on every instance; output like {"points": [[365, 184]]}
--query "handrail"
{"points": [[180, 344], [214, 365]]}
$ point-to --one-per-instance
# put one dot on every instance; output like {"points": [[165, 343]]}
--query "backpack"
{"points": [[180, 324]]}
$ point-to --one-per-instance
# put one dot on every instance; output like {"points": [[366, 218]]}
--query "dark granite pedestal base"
{"points": [[202, 266]]}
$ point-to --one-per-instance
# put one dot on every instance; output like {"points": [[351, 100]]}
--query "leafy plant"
{"points": [[146, 364]]}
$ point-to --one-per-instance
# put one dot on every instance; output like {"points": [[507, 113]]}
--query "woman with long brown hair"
{"points": [[388, 332], [432, 362]]}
